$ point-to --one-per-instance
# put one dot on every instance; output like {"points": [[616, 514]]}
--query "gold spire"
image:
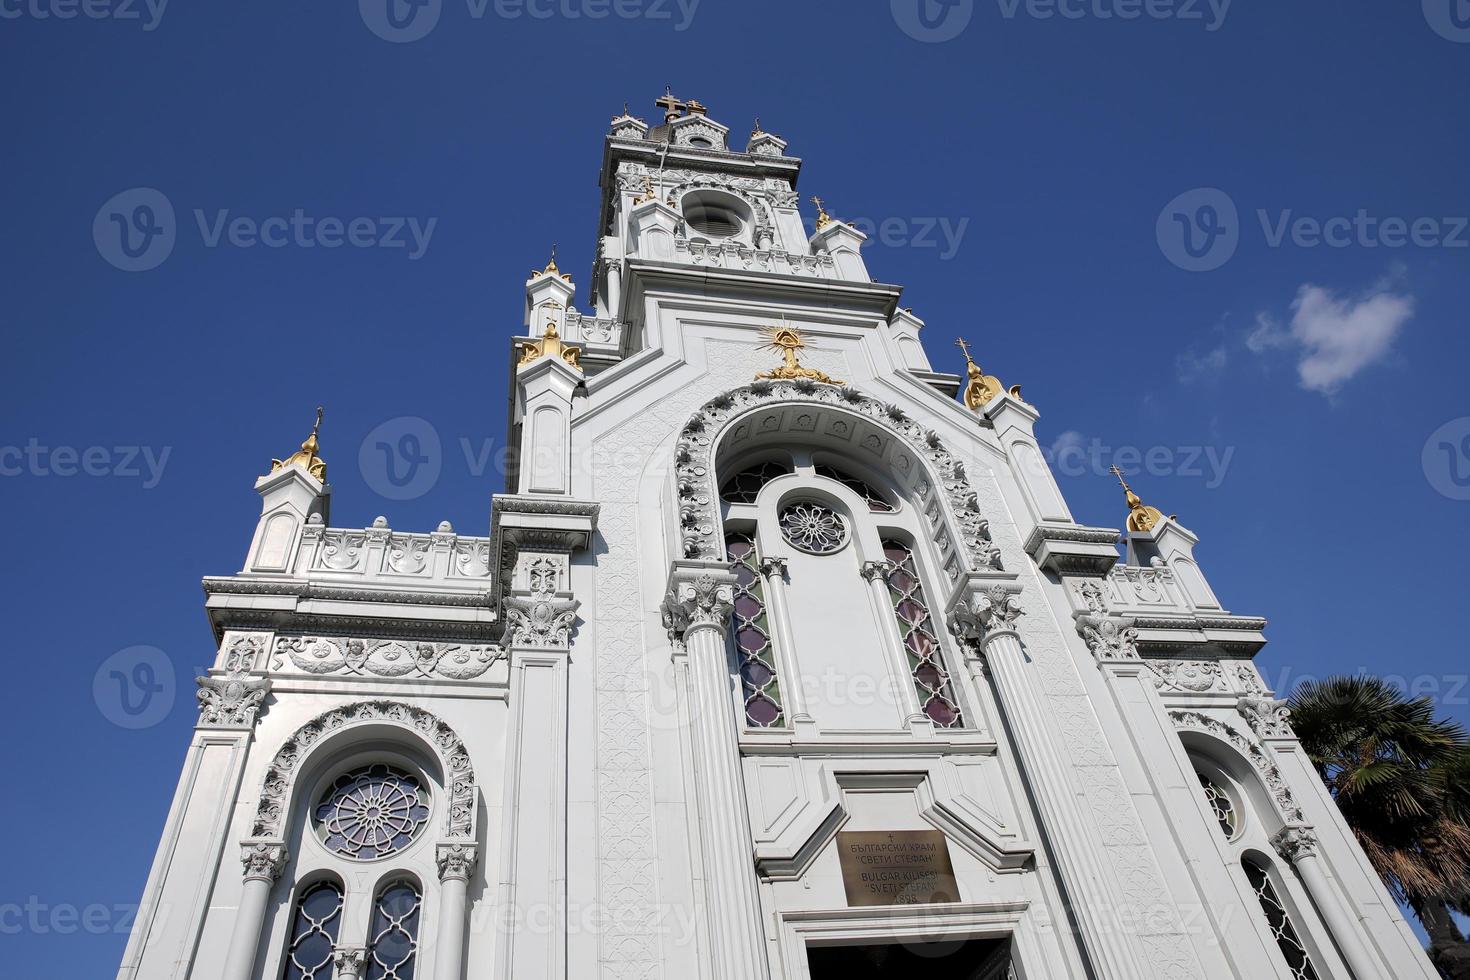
{"points": [[788, 340], [550, 345], [823, 218], [551, 268], [1141, 517], [307, 454], [981, 388]]}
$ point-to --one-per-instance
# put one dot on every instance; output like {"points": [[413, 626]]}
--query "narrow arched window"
{"points": [[915, 625], [394, 938], [314, 928], [1221, 805], [1279, 921], [757, 663]]}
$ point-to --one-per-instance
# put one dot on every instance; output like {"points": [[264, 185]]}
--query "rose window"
{"points": [[813, 528], [372, 812]]}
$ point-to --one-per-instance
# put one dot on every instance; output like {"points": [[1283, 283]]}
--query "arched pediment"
{"points": [[454, 761], [1228, 741], [840, 419]]}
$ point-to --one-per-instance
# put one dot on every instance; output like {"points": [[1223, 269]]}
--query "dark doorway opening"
{"points": [[957, 959]]}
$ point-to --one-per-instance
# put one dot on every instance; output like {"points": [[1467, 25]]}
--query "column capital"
{"points": [[701, 595], [877, 570], [456, 859], [986, 609], [231, 701], [1268, 717], [264, 858], [350, 961], [539, 620], [1295, 841], [774, 566], [1109, 637]]}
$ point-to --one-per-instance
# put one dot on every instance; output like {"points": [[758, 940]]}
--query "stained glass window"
{"points": [[926, 660], [745, 486], [877, 502], [372, 812], [1277, 918], [394, 939], [314, 928], [813, 528], [1221, 804], [753, 635]]}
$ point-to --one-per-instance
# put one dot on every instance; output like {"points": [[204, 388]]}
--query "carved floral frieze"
{"points": [[384, 658], [1251, 748]]}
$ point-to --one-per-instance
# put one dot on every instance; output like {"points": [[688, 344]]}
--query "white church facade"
{"points": [[783, 657]]}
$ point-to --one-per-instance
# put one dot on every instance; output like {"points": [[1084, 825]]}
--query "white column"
{"points": [[793, 691], [989, 615], [263, 861], [697, 613], [901, 681], [533, 886], [456, 861], [1297, 845]]}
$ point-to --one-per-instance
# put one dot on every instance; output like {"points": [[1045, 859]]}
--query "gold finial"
{"points": [[696, 107], [648, 191], [550, 345], [551, 268], [823, 218], [669, 104], [757, 130], [788, 340], [982, 388], [306, 456], [1141, 517]]}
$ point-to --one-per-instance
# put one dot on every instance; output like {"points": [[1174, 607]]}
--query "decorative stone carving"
{"points": [[987, 613], [695, 470], [350, 960], [264, 859], [1093, 597], [454, 759], [1295, 841], [705, 601], [879, 570], [1109, 637], [230, 702], [1248, 680], [1187, 676], [244, 653], [1258, 755], [1268, 717], [385, 657], [539, 620], [456, 859], [773, 566]]}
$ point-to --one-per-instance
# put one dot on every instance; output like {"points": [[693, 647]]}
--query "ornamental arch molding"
{"points": [[1241, 755], [837, 420], [403, 721]]}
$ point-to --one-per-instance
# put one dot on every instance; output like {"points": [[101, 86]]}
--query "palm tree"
{"points": [[1402, 782]]}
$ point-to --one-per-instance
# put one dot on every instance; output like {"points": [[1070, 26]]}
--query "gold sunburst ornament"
{"points": [[788, 340]]}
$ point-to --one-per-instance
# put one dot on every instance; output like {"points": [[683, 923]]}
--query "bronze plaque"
{"points": [[896, 867]]}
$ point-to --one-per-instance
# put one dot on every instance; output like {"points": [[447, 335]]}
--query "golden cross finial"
{"points": [[823, 218], [551, 268], [757, 130], [669, 104], [1141, 517], [307, 454], [962, 345]]}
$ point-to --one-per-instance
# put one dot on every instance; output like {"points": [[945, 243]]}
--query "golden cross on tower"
{"points": [[1141, 517], [960, 343], [669, 104], [823, 218], [307, 456]]}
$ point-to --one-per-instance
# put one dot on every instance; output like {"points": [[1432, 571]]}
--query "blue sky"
{"points": [[1300, 402]]}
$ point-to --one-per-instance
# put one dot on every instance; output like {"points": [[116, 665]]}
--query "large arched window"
{"points": [[833, 618], [316, 922]]}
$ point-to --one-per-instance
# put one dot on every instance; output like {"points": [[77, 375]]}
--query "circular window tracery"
{"points": [[813, 528], [372, 812], [1221, 805]]}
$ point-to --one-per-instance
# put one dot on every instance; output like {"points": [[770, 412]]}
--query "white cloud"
{"points": [[1069, 441], [1192, 367], [1335, 337]]}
